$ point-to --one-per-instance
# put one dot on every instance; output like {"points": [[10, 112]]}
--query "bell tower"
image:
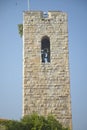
{"points": [[46, 78]]}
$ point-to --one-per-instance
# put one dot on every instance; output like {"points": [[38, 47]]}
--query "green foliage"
{"points": [[33, 122], [11, 125], [14, 125], [53, 123], [36, 122], [2, 127], [3, 123], [20, 29]]}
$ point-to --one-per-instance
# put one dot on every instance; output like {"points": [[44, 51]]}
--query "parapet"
{"points": [[41, 14]]}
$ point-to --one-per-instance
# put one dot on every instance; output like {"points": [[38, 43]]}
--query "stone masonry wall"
{"points": [[46, 86]]}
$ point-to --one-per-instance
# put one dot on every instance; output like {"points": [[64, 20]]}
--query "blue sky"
{"points": [[11, 14]]}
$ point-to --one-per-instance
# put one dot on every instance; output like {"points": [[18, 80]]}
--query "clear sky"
{"points": [[11, 14]]}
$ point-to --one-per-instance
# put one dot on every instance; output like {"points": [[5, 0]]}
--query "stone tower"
{"points": [[46, 79]]}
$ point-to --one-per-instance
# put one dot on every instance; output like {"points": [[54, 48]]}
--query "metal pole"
{"points": [[28, 5]]}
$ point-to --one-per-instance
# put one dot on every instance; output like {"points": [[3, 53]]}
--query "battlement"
{"points": [[45, 15]]}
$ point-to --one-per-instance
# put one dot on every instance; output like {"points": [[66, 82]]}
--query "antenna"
{"points": [[28, 4]]}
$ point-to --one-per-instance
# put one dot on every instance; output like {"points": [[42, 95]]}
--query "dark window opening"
{"points": [[45, 49], [45, 15]]}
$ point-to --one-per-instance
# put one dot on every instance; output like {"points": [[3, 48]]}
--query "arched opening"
{"points": [[45, 49]]}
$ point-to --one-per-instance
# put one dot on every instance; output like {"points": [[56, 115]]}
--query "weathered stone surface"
{"points": [[46, 86]]}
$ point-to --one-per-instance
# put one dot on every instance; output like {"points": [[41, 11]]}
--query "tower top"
{"points": [[42, 14]]}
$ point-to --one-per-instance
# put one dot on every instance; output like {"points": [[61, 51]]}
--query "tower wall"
{"points": [[46, 86]]}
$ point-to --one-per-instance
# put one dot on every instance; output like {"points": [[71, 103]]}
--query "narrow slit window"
{"points": [[45, 49]]}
